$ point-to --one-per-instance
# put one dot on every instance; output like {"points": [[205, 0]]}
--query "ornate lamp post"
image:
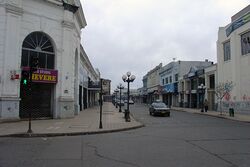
{"points": [[202, 89], [128, 78], [116, 91], [101, 102], [120, 87]]}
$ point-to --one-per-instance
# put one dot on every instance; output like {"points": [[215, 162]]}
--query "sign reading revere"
{"points": [[43, 75]]}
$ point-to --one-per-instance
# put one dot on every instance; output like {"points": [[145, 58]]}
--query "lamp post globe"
{"points": [[124, 77], [128, 78], [132, 78]]}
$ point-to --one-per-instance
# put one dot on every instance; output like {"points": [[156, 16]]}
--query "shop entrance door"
{"points": [[38, 101], [80, 97]]}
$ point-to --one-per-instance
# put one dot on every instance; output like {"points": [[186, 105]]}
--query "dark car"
{"points": [[159, 108]]}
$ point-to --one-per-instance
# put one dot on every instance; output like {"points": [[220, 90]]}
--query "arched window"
{"points": [[38, 44]]}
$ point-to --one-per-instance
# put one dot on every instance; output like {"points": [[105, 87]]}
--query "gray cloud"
{"points": [[136, 35]]}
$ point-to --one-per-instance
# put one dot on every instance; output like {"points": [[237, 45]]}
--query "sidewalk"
{"points": [[225, 115], [87, 122]]}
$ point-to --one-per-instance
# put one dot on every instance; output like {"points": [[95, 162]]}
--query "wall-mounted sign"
{"points": [[170, 88], [238, 23], [43, 75]]}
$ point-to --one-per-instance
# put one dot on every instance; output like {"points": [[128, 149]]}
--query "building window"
{"points": [[176, 77], [194, 84], [166, 80], [163, 81], [245, 43], [38, 44], [227, 52], [212, 81], [182, 86], [170, 79]]}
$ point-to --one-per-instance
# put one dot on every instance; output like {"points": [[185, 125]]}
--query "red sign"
{"points": [[44, 75]]}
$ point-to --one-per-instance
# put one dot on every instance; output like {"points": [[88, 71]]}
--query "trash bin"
{"points": [[231, 112]]}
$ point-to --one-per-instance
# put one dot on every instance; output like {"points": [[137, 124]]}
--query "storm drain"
{"points": [[79, 126]]}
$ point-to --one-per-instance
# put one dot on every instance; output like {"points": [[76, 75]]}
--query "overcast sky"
{"points": [[137, 35]]}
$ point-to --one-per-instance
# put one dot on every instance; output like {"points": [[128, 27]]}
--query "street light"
{"points": [[128, 78], [202, 88], [120, 87], [116, 91], [101, 102]]}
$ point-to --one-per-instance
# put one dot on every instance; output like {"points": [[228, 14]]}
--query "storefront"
{"points": [[169, 94], [51, 32], [37, 98]]}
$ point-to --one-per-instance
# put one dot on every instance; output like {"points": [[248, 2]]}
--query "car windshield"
{"points": [[159, 105]]}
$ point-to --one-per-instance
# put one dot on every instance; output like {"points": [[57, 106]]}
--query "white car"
{"points": [[130, 101]]}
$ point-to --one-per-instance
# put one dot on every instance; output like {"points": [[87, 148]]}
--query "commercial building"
{"points": [[106, 86], [233, 56], [49, 30], [190, 95], [152, 87], [172, 90], [211, 78], [89, 85]]}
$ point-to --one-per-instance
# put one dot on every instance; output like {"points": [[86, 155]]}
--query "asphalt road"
{"points": [[181, 140]]}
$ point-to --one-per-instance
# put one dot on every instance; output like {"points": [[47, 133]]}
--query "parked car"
{"points": [[130, 101], [159, 108], [120, 103]]}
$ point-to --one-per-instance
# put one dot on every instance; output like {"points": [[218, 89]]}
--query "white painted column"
{"points": [[10, 59], [66, 98]]}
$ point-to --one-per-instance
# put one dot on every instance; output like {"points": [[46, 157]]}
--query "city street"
{"points": [[181, 140]]}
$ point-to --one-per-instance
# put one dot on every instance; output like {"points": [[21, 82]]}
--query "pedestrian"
{"points": [[206, 105]]}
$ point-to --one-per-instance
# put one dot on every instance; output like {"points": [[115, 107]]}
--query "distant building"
{"points": [[211, 80], [189, 93], [106, 86], [140, 96], [152, 87], [144, 89], [171, 76], [89, 87], [233, 57]]}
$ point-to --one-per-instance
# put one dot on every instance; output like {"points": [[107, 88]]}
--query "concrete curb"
{"points": [[26, 135], [217, 116]]}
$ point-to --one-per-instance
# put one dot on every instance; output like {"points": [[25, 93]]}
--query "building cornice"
{"points": [[13, 9], [56, 2], [81, 18]]}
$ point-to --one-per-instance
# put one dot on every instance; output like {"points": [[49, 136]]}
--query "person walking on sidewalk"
{"points": [[206, 105]]}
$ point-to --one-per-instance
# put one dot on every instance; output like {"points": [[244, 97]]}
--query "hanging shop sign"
{"points": [[44, 75]]}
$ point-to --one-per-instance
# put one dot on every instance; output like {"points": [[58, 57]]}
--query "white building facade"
{"points": [[51, 31], [152, 81], [233, 56], [88, 84], [210, 83], [174, 89]]}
